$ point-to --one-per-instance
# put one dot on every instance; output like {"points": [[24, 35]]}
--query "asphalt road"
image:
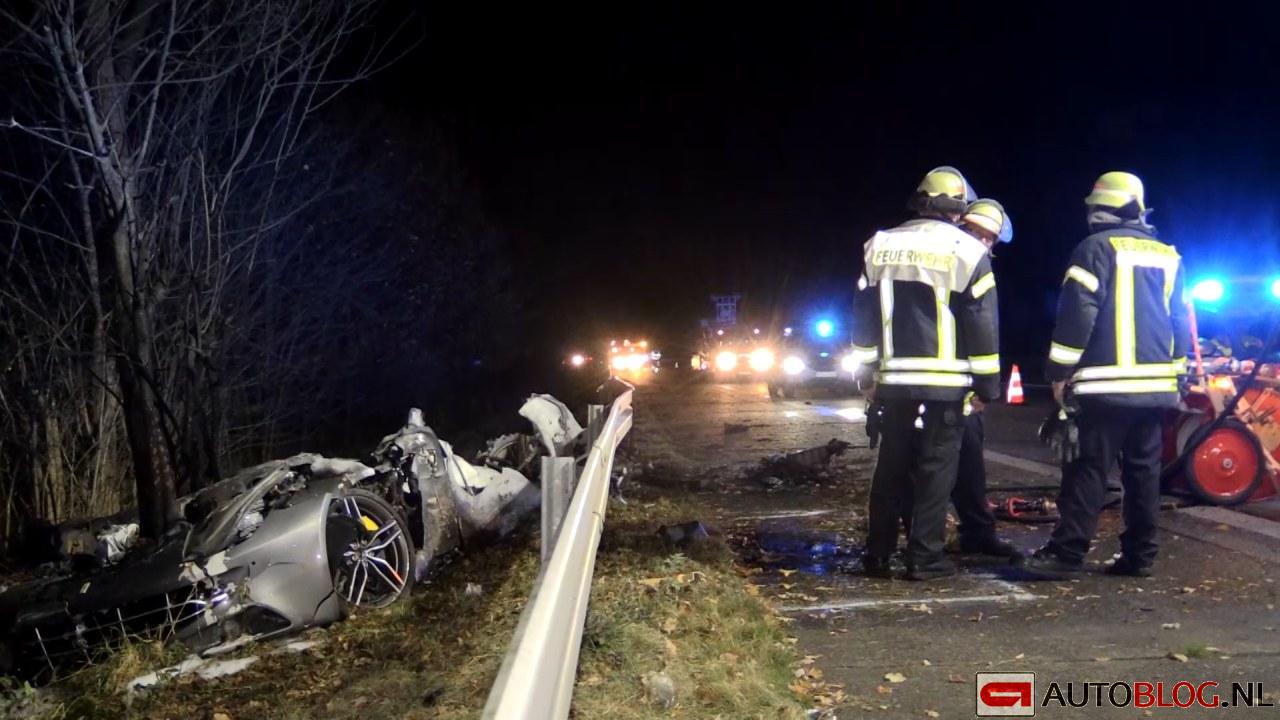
{"points": [[799, 535]]}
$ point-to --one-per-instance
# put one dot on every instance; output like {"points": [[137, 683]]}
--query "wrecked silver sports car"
{"points": [[285, 545]]}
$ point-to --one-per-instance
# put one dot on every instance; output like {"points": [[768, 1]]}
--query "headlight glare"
{"points": [[726, 360], [793, 365], [761, 359]]}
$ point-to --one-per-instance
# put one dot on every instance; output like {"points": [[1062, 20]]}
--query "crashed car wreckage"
{"points": [[285, 545]]}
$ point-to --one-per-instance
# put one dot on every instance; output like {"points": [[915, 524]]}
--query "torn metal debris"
{"points": [[809, 464], [281, 546]]}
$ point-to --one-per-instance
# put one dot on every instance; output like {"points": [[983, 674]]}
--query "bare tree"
{"points": [[163, 165]]}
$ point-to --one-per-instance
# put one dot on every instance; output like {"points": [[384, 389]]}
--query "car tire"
{"points": [[369, 543], [1225, 466]]}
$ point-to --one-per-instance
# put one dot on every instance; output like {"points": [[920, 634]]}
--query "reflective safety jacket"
{"points": [[1122, 332], [926, 313]]}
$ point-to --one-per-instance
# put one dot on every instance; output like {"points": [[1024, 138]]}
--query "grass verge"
{"points": [[659, 619], [678, 634]]}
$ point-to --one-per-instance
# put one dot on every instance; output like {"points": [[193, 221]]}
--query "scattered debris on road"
{"points": [[684, 534], [802, 465]]}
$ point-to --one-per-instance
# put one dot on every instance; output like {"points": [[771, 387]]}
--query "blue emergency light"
{"points": [[824, 328], [1210, 290], [1275, 289]]}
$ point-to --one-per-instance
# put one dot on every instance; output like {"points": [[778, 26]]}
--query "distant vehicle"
{"points": [[579, 361], [817, 353], [735, 354], [633, 360]]}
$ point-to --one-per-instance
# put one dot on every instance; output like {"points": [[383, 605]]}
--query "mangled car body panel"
{"points": [[280, 546]]}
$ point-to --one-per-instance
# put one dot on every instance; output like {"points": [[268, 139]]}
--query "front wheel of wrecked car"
{"points": [[370, 552]]}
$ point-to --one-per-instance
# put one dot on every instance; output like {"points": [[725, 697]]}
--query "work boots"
{"points": [[1126, 567], [991, 546], [1048, 565]]}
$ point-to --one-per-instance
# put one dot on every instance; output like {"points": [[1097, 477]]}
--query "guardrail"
{"points": [[536, 679]]}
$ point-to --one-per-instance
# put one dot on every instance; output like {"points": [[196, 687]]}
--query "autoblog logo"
{"points": [[1014, 695], [1006, 694]]}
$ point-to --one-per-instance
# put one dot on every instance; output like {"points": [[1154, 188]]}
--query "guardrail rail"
{"points": [[537, 675]]}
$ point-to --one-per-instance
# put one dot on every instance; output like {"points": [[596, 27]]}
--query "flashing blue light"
{"points": [[824, 328], [1275, 288], [1210, 290]]}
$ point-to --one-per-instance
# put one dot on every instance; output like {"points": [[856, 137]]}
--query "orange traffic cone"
{"points": [[1014, 396]]}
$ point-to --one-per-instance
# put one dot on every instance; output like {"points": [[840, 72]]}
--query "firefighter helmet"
{"points": [[990, 216], [946, 181], [1117, 190]]}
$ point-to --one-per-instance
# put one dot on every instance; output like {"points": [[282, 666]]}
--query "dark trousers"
{"points": [[915, 472], [1105, 432], [977, 523]]}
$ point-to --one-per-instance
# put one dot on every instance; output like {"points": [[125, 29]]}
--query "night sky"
{"points": [[646, 157]]}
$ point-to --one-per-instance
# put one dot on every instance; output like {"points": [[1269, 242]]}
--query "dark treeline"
{"points": [[212, 254]]}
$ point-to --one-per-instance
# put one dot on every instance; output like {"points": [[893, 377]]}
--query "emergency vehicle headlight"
{"points": [[761, 359], [577, 360], [793, 365], [621, 362], [726, 361], [849, 363], [1209, 290], [1275, 289]]}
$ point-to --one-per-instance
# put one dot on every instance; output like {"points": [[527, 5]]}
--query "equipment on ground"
{"points": [[1222, 446]]}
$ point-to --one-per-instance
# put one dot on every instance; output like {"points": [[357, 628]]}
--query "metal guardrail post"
{"points": [[535, 681], [557, 491], [595, 423]]}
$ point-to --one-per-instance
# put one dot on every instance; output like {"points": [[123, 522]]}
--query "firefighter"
{"points": [[987, 221], [927, 318], [1118, 354]]}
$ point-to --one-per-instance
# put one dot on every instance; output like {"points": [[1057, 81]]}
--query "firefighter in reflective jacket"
{"points": [[987, 221], [1119, 348], [927, 318]]}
